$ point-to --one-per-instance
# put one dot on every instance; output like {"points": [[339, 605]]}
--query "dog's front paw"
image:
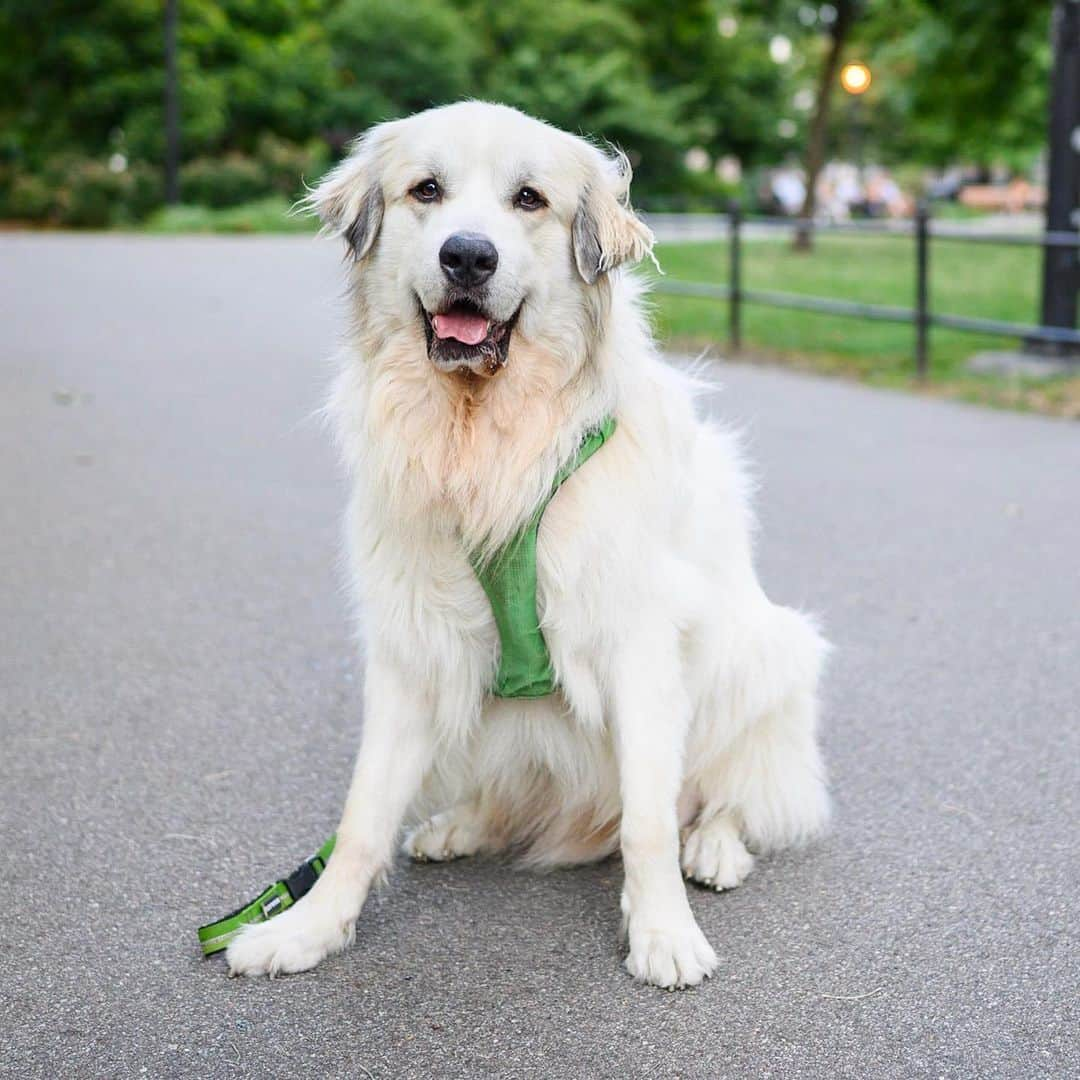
{"points": [[671, 957], [296, 940]]}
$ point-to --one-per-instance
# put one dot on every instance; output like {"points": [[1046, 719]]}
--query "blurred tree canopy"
{"points": [[960, 79], [273, 88]]}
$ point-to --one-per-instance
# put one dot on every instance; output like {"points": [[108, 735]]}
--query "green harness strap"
{"points": [[509, 579]]}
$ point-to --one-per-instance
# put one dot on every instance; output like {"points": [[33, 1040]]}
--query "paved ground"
{"points": [[179, 706]]}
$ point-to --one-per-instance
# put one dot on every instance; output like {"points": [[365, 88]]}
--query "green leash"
{"points": [[273, 900], [509, 580]]}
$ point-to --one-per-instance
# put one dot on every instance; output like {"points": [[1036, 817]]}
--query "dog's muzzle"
{"points": [[463, 337]]}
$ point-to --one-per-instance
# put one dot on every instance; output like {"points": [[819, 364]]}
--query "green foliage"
{"points": [[970, 76], [226, 181], [583, 67], [72, 72], [273, 214], [251, 66], [288, 166], [271, 90], [732, 94], [277, 166], [91, 195], [81, 192], [391, 59], [579, 66], [28, 197]]}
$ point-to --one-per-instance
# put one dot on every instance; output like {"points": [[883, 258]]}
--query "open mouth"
{"points": [[462, 337]]}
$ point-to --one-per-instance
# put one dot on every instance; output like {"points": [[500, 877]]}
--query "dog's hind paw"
{"points": [[454, 833], [714, 854], [296, 940]]}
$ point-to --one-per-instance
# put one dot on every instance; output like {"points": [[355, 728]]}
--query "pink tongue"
{"points": [[467, 328]]}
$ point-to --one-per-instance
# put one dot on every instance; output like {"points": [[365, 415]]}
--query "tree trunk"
{"points": [[819, 125]]}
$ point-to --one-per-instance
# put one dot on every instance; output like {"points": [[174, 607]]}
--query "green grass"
{"points": [[269, 215], [965, 279], [955, 211]]}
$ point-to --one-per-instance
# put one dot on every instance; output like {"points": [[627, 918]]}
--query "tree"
{"points": [[966, 79], [846, 11], [79, 76], [579, 66], [73, 72], [582, 67], [713, 58], [953, 78], [391, 59]]}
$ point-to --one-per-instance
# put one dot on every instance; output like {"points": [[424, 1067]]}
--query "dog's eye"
{"points": [[426, 191], [529, 199]]}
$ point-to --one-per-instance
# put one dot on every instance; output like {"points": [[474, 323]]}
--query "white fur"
{"points": [[688, 699]]}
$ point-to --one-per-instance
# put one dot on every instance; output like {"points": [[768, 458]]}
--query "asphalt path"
{"points": [[179, 706]]}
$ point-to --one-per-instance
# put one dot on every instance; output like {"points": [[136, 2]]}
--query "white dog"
{"points": [[491, 333]]}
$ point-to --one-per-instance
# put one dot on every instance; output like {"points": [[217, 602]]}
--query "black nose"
{"points": [[468, 258]]}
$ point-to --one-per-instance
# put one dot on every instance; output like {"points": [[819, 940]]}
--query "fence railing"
{"points": [[923, 230]]}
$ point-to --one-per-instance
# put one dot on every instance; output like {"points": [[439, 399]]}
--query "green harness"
{"points": [[509, 579], [525, 671]]}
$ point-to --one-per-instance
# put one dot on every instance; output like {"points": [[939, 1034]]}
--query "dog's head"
{"points": [[477, 223]]}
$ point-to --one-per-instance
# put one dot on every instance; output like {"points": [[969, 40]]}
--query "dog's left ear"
{"points": [[349, 199], [606, 231]]}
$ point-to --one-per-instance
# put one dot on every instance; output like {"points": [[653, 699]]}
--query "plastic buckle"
{"points": [[300, 881], [271, 907]]}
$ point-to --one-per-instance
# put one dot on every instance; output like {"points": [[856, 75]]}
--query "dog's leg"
{"points": [[773, 779], [766, 787], [651, 714], [394, 755]]}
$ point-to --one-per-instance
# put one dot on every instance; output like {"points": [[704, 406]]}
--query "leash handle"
{"points": [[273, 900]]}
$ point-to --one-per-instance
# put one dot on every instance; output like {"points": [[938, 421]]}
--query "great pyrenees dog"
{"points": [[494, 331]]}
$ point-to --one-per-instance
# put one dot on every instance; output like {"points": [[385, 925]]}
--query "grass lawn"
{"points": [[965, 279]]}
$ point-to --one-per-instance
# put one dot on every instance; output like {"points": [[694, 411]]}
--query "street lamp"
{"points": [[855, 77]]}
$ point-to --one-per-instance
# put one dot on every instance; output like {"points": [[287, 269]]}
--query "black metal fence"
{"points": [[923, 230]]}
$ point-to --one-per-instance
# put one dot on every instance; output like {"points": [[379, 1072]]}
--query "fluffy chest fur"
{"points": [[444, 466]]}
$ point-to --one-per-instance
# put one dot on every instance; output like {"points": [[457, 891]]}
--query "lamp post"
{"points": [[855, 78], [172, 106], [1061, 265]]}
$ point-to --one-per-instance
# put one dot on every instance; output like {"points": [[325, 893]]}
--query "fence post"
{"points": [[735, 275], [922, 306]]}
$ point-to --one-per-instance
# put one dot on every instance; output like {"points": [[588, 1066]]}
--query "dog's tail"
{"points": [[543, 829], [572, 839]]}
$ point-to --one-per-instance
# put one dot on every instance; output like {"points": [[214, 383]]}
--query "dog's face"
{"points": [[479, 225]]}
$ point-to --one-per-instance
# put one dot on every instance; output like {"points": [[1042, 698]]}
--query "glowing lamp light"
{"points": [[855, 77]]}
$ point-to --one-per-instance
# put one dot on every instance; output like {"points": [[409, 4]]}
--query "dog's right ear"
{"points": [[349, 199]]}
